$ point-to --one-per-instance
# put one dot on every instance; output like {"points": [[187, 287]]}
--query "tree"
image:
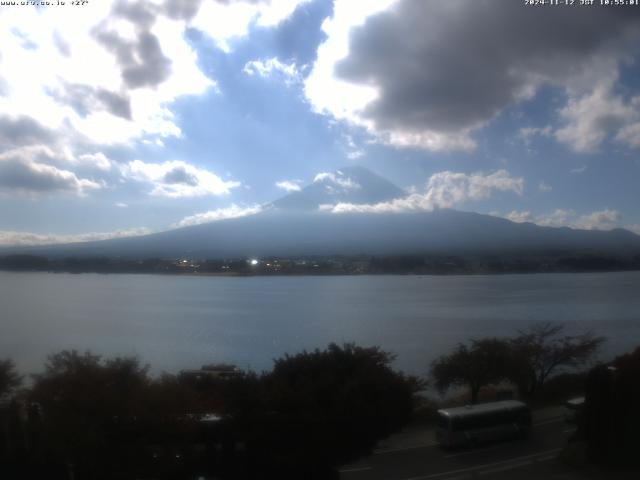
{"points": [[13, 440], [627, 399], [541, 351], [328, 407], [107, 418], [485, 362], [610, 419], [10, 380], [85, 401]]}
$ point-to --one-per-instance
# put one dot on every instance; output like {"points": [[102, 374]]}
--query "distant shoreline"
{"points": [[428, 264], [309, 274]]}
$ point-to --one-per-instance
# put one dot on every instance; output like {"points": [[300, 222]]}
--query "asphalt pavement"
{"points": [[414, 455]]}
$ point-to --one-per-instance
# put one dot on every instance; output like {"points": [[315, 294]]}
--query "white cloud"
{"points": [[591, 117], [97, 160], [108, 74], [288, 73], [448, 188], [544, 187], [604, 219], [558, 218], [601, 220], [326, 93], [289, 185], [528, 133], [224, 21], [28, 169], [579, 170], [353, 151], [112, 101], [11, 238], [272, 13], [630, 135], [347, 101], [515, 216], [443, 190], [428, 75], [355, 154], [233, 211], [337, 179], [121, 205], [177, 179]]}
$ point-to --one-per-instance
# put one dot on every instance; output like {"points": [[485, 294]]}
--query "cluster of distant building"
{"points": [[427, 264], [257, 266]]}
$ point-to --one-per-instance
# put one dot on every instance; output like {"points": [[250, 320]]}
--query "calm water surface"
{"points": [[174, 322]]}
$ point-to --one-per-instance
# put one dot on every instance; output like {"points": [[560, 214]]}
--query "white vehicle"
{"points": [[487, 422]]}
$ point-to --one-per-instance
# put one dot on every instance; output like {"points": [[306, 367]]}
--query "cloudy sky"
{"points": [[125, 117]]}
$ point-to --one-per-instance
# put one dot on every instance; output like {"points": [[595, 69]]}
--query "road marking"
{"points": [[505, 467], [432, 444], [546, 458], [354, 469], [453, 455], [530, 457], [400, 449]]}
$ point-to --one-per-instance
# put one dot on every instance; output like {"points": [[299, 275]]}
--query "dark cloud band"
{"points": [[450, 66]]}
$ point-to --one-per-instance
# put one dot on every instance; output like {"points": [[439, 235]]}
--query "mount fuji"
{"points": [[297, 225]]}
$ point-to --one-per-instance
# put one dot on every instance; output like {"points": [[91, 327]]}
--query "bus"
{"points": [[487, 422]]}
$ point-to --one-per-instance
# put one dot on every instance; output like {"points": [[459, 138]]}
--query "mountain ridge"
{"points": [[287, 229], [272, 233], [352, 184]]}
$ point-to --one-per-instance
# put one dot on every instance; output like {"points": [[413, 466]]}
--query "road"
{"points": [[532, 458]]}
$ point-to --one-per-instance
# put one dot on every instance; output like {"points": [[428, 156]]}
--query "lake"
{"points": [[175, 322]]}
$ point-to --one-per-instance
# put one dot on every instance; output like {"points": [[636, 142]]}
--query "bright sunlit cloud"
{"points": [[176, 179], [288, 73], [11, 238], [443, 190], [604, 219], [338, 179], [224, 21], [25, 170], [233, 211], [326, 93], [289, 185], [136, 70]]}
